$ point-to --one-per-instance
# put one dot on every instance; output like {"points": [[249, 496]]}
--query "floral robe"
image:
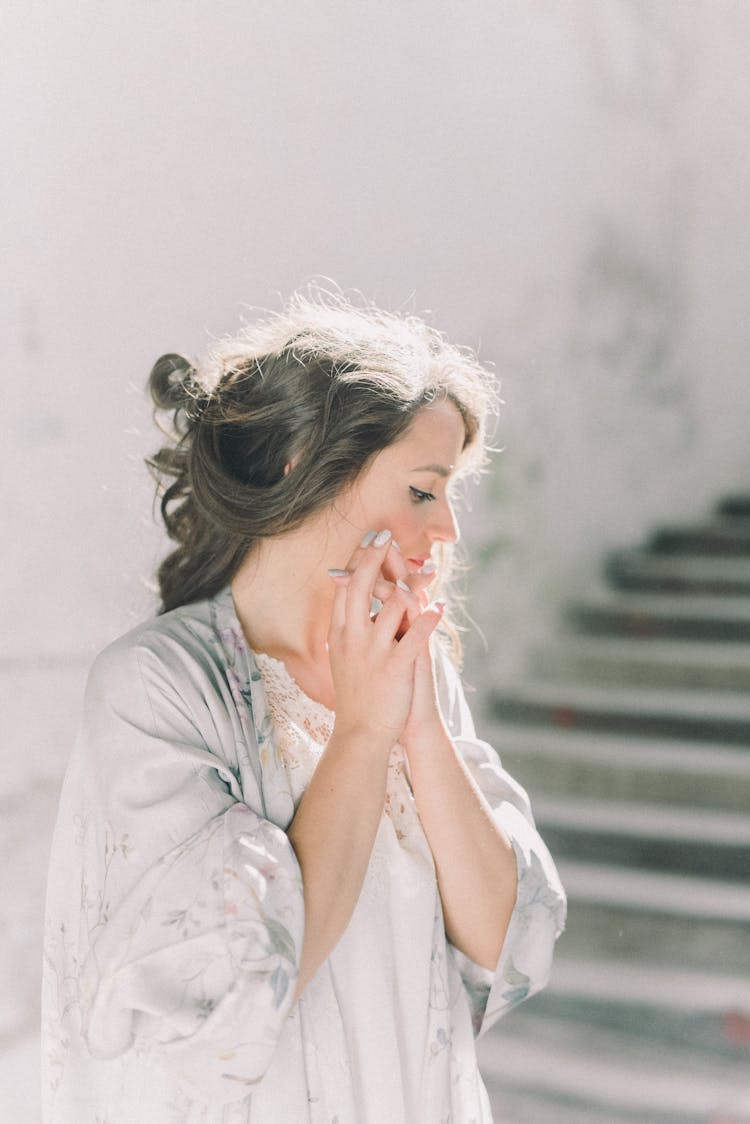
{"points": [[175, 912]]}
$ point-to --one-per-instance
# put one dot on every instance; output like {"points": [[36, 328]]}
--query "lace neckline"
{"points": [[279, 671]]}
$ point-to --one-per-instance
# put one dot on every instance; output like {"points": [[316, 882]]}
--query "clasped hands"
{"points": [[381, 662]]}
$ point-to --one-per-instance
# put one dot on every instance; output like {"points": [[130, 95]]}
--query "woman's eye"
{"points": [[420, 497]]}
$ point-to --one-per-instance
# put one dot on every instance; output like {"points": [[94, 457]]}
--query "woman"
{"points": [[288, 883]]}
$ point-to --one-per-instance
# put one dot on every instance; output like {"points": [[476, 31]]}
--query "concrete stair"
{"points": [[635, 835], [648, 616], [631, 732], [579, 763], [721, 535], [608, 1076], [644, 571], [628, 662], [722, 716]]}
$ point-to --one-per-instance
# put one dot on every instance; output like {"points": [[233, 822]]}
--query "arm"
{"points": [[337, 820], [537, 918], [192, 908], [474, 859], [333, 833]]}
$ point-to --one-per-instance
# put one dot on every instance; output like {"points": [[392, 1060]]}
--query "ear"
{"points": [[291, 464]]}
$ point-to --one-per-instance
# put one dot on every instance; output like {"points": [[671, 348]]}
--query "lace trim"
{"points": [[293, 712], [288, 703]]}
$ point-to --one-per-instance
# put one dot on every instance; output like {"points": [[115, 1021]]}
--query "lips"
{"points": [[418, 563]]}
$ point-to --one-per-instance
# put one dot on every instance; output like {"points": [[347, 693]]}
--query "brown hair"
{"points": [[324, 385]]}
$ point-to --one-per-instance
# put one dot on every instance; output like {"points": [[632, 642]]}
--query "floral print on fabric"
{"points": [[175, 912]]}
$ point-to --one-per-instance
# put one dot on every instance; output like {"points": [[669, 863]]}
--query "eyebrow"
{"points": [[440, 469]]}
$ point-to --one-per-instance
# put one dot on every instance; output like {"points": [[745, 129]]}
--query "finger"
{"points": [[361, 550], [382, 588], [421, 579], [418, 634], [338, 612], [414, 605], [418, 583], [382, 591], [389, 621], [362, 582], [394, 564], [395, 569]]}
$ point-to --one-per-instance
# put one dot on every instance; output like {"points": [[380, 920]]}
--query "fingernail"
{"points": [[402, 585], [337, 573], [438, 604], [428, 568], [381, 538], [396, 547], [368, 538], [375, 606]]}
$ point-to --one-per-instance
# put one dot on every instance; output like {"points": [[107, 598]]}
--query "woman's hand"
{"points": [[425, 722], [395, 569], [373, 659]]}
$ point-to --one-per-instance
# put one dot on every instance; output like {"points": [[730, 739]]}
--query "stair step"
{"points": [[648, 663], [594, 1070], [546, 1106], [654, 616], [611, 981], [673, 895], [719, 536], [700, 1010], [629, 737], [697, 715], [664, 919], [648, 837], [735, 506], [580, 764], [682, 573]]}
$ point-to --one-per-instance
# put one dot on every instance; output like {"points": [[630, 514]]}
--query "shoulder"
{"points": [[167, 651]]}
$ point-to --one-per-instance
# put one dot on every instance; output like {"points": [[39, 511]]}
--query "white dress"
{"points": [[175, 910]]}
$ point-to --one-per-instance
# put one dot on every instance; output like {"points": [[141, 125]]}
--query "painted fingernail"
{"points": [[368, 538], [338, 573], [428, 568], [396, 547], [438, 604], [381, 538], [402, 585], [375, 606]]}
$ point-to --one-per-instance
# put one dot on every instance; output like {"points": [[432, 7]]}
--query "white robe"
{"points": [[175, 911]]}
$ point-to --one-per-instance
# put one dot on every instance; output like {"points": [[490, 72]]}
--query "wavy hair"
{"points": [[324, 386]]}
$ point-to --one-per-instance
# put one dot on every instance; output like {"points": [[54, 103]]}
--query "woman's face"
{"points": [[405, 489]]}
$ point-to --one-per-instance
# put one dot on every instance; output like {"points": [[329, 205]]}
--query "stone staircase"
{"points": [[631, 733]]}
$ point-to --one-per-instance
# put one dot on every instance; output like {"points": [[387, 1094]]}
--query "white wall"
{"points": [[564, 184]]}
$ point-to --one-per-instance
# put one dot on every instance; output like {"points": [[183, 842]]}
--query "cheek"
{"points": [[406, 525]]}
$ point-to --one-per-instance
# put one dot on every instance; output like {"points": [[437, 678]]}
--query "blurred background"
{"points": [[561, 184]]}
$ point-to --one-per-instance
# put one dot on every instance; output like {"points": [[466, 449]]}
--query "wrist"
{"points": [[359, 738], [429, 738]]}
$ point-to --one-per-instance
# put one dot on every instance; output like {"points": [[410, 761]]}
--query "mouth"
{"points": [[416, 563]]}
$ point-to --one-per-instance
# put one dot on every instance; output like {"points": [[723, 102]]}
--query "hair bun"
{"points": [[174, 383]]}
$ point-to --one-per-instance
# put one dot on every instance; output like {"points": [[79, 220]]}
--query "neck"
{"points": [[284, 596]]}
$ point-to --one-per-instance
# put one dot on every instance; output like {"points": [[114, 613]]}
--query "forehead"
{"points": [[437, 434]]}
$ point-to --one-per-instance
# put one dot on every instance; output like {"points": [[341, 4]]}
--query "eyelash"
{"points": [[421, 497]]}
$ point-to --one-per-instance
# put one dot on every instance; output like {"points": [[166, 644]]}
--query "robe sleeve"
{"points": [[192, 900], [539, 914]]}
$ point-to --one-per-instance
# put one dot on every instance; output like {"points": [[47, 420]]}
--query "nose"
{"points": [[444, 525]]}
